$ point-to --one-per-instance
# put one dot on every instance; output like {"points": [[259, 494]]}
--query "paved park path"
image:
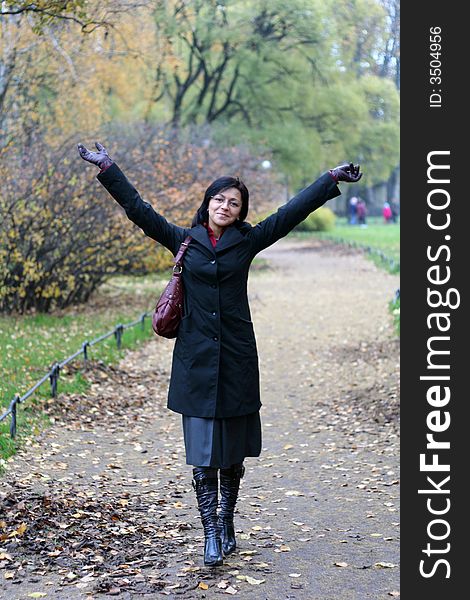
{"points": [[100, 505]]}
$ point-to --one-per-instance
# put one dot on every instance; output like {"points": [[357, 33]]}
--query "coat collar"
{"points": [[231, 237]]}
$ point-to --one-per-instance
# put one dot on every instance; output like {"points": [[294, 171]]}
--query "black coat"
{"points": [[215, 361]]}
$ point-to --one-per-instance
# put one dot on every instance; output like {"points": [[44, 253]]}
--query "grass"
{"points": [[381, 238], [31, 344], [394, 308]]}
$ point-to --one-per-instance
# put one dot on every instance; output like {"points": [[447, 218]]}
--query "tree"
{"points": [[218, 60]]}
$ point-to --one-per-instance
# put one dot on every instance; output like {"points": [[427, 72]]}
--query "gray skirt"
{"points": [[221, 443]]}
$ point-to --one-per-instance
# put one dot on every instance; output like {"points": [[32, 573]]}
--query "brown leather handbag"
{"points": [[169, 309]]}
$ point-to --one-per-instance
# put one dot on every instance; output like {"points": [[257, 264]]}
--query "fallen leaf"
{"points": [[203, 586], [37, 595], [230, 590], [395, 594], [253, 581], [341, 564], [9, 574], [294, 574], [384, 565], [223, 584]]}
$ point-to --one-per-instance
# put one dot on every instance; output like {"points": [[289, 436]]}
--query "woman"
{"points": [[214, 380]]}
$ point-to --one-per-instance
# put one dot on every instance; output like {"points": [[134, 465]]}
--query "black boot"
{"points": [[205, 485], [229, 486]]}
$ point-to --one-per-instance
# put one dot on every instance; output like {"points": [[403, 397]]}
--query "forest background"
{"points": [[180, 92]]}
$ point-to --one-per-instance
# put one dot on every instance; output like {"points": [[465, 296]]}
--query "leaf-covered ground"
{"points": [[101, 504]]}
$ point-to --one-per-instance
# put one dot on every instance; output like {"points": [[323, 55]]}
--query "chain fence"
{"points": [[393, 265], [54, 373]]}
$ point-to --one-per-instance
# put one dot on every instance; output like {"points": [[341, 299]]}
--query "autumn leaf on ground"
{"points": [[230, 590]]}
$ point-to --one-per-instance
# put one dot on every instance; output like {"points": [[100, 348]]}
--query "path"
{"points": [[101, 505]]}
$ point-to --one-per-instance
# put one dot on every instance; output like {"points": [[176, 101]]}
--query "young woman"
{"points": [[215, 380]]}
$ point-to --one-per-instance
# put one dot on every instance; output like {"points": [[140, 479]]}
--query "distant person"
{"points": [[395, 210], [352, 210], [387, 212], [361, 212]]}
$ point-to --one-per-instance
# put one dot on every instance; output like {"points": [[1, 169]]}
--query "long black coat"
{"points": [[215, 361]]}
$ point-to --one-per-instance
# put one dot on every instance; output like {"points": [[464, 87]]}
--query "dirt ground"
{"points": [[100, 505]]}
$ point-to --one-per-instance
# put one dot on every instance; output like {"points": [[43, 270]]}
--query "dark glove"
{"points": [[101, 158], [347, 172]]}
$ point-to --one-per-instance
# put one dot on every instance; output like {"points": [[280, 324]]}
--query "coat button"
{"points": [[213, 313], [212, 262], [215, 338], [213, 285]]}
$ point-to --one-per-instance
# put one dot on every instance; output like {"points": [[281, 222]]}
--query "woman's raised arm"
{"points": [[298, 208], [137, 210]]}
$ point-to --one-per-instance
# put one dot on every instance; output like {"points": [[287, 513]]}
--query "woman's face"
{"points": [[224, 208]]}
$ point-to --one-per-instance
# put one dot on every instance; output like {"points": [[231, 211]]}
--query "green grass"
{"points": [[31, 344], [377, 235], [394, 308]]}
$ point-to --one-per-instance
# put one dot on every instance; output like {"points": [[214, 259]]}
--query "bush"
{"points": [[61, 235], [322, 219]]}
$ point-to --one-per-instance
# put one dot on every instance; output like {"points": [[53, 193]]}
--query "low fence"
{"points": [[54, 373], [393, 265]]}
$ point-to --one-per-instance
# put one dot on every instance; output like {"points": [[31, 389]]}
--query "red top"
{"points": [[212, 237]]}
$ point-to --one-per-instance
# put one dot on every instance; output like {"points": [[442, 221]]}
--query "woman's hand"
{"points": [[101, 158], [347, 172]]}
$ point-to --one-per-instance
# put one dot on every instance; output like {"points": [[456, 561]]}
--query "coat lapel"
{"points": [[230, 237], [199, 233]]}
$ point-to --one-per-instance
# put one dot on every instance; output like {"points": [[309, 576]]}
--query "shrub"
{"points": [[61, 236], [322, 219]]}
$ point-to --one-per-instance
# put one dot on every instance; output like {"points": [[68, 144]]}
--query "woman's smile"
{"points": [[223, 215]]}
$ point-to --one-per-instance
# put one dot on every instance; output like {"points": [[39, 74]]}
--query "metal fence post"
{"points": [[85, 352], [118, 335], [54, 376], [13, 417]]}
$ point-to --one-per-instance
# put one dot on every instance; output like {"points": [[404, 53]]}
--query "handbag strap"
{"points": [[179, 257]]}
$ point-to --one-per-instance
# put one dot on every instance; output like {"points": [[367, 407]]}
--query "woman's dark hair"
{"points": [[216, 187]]}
